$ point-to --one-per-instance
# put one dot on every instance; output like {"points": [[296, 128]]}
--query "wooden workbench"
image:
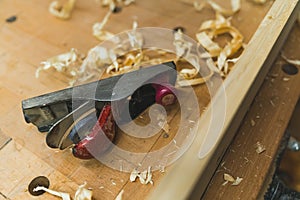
{"points": [[36, 35]]}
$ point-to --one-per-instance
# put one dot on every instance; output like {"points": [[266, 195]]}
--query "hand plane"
{"points": [[81, 117]]}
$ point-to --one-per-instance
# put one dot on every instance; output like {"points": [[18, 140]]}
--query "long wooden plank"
{"points": [[265, 123], [188, 178]]}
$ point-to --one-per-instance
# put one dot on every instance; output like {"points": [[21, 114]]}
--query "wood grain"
{"points": [[36, 36], [240, 88], [265, 123]]}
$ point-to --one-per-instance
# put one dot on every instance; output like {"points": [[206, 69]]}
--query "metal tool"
{"points": [[63, 113]]}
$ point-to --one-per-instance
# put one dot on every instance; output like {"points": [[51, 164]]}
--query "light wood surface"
{"points": [[240, 88], [36, 36]]}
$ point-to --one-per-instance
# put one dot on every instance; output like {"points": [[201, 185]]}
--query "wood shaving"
{"points": [[213, 28], [98, 30], [81, 194], [260, 1], [259, 148], [67, 62], [229, 178], [64, 196], [163, 123], [237, 181], [206, 41], [145, 177], [131, 61], [225, 183], [252, 122], [285, 79], [291, 61], [235, 7], [188, 77], [134, 174], [62, 11]]}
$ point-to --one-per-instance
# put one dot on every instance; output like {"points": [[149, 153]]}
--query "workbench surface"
{"points": [[37, 35]]}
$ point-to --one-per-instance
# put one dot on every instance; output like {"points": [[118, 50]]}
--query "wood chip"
{"points": [[228, 177], [237, 181], [285, 79], [259, 148], [145, 177], [252, 122], [291, 61], [134, 174], [235, 6], [260, 1], [62, 11]]}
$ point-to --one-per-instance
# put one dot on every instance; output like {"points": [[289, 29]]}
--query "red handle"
{"points": [[165, 94], [99, 140]]}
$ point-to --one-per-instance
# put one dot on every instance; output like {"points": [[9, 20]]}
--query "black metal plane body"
{"points": [[46, 110]]}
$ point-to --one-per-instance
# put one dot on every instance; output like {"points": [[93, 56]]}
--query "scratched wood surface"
{"points": [[266, 122], [36, 36]]}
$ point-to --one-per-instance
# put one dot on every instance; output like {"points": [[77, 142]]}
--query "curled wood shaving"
{"points": [[145, 177], [98, 31], [81, 194], [213, 28], [134, 174], [182, 47], [135, 38], [67, 62], [212, 47], [64, 196], [131, 61], [291, 61], [235, 6], [188, 77], [195, 81], [62, 11]]}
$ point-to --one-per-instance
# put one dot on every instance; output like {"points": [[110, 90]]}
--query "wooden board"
{"points": [[36, 36], [265, 123]]}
